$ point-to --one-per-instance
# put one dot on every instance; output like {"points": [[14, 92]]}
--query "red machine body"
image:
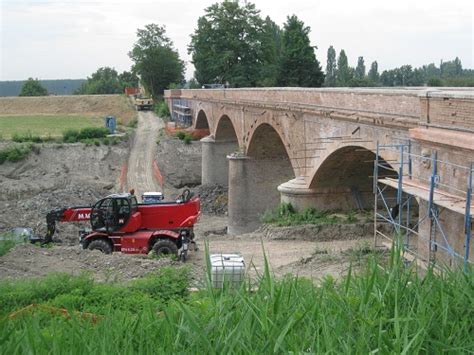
{"points": [[126, 226]]}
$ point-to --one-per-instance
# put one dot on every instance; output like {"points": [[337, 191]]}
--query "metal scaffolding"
{"points": [[397, 185], [181, 112]]}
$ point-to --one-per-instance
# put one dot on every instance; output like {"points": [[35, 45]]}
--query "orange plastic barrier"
{"points": [[157, 174], [123, 176], [198, 133], [53, 310]]}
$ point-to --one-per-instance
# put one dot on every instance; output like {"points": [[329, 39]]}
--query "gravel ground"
{"points": [[57, 176], [71, 175], [32, 261]]}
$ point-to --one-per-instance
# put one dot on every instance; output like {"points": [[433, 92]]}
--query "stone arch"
{"points": [[215, 149], [202, 121], [265, 141], [225, 130], [343, 179], [263, 126]]}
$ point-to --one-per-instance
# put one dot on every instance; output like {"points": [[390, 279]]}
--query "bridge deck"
{"points": [[440, 198]]}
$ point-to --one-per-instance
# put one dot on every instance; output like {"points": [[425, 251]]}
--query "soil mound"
{"points": [[319, 233], [30, 260], [57, 176], [179, 163], [214, 199]]}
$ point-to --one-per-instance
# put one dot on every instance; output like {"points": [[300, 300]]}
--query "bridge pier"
{"points": [[334, 198], [296, 193], [252, 190], [215, 167]]}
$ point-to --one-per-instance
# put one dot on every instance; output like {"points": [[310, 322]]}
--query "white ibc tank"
{"points": [[228, 269]]}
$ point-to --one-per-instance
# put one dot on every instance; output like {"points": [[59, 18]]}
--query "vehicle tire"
{"points": [[165, 247], [102, 245]]}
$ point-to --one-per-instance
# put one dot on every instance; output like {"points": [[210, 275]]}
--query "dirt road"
{"points": [[140, 174]]}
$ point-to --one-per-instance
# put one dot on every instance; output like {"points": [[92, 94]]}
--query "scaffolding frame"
{"points": [[181, 113], [396, 211]]}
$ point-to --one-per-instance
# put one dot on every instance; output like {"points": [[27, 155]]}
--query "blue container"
{"points": [[111, 123]]}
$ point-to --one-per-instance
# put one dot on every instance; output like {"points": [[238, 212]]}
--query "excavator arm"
{"points": [[69, 214]]}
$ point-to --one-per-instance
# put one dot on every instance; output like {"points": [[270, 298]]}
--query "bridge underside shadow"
{"points": [[343, 181], [215, 166]]}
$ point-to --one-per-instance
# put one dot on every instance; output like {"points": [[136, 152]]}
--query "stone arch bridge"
{"points": [[316, 147]]}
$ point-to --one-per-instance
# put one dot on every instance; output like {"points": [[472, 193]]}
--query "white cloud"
{"points": [[72, 38]]}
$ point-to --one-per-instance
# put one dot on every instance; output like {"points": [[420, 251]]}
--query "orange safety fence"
{"points": [[54, 310], [123, 176], [196, 133], [157, 174]]}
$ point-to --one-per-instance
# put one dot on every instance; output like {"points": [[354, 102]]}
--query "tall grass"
{"points": [[15, 153], [75, 135], [385, 311], [286, 215], [162, 110]]}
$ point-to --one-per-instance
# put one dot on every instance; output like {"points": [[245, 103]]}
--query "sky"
{"points": [[71, 39]]}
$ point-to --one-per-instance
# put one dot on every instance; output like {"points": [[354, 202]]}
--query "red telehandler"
{"points": [[120, 223]]}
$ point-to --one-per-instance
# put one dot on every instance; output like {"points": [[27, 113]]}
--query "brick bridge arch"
{"points": [[201, 121], [342, 178]]}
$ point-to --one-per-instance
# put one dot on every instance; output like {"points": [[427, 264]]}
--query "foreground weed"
{"points": [[378, 310]]}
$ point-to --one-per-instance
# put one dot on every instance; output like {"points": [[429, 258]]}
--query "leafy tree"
{"points": [[298, 65], [359, 82], [32, 87], [193, 84], [226, 46], [271, 53], [331, 68], [360, 69], [402, 76], [344, 73], [431, 71], [104, 81], [417, 78], [435, 81], [457, 66], [155, 60], [128, 79], [451, 68], [373, 74], [387, 78]]}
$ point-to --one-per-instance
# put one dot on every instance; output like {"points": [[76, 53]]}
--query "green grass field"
{"points": [[384, 311], [44, 126]]}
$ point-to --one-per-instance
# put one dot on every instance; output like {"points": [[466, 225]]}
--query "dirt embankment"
{"points": [[179, 163], [27, 260], [57, 176], [87, 105]]}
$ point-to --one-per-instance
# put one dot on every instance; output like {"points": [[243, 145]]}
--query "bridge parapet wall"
{"points": [[407, 108], [400, 102], [448, 109]]}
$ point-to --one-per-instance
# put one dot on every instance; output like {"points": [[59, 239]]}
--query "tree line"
{"points": [[339, 73], [104, 81], [234, 46]]}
